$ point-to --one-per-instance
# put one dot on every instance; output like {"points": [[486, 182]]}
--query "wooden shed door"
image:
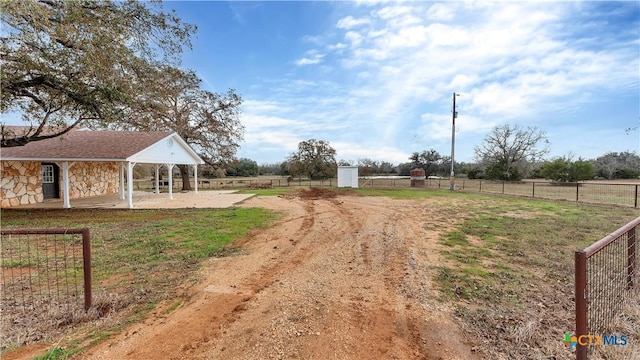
{"points": [[50, 181]]}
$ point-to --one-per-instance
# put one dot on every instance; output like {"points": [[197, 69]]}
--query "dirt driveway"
{"points": [[338, 277]]}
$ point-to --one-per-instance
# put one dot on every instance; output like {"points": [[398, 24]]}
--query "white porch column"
{"points": [[157, 178], [121, 173], [170, 167], [195, 176], [130, 166], [65, 185]]}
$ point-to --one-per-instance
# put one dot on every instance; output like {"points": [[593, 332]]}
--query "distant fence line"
{"points": [[601, 193], [606, 277], [45, 269]]}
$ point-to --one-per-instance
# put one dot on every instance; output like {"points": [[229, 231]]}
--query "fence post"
{"points": [[533, 189], [635, 202], [503, 186], [480, 186], [631, 256], [462, 184], [582, 328], [577, 190], [86, 261]]}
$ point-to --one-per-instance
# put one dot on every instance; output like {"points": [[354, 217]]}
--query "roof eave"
{"points": [[61, 159]]}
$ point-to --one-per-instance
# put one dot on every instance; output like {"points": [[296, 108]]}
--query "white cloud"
{"points": [[282, 140], [505, 58], [338, 46], [440, 12], [406, 37], [308, 61], [464, 81], [438, 126], [354, 38], [354, 151], [510, 61], [313, 57], [259, 122], [391, 12], [350, 22]]}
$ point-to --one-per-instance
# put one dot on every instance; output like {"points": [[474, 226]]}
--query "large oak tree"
{"points": [[209, 122], [70, 63], [507, 149], [315, 159]]}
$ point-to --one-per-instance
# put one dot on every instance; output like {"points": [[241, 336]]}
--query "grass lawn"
{"points": [[139, 257], [510, 273], [508, 262]]}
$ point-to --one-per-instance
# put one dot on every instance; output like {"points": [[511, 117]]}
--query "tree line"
{"points": [[508, 152]]}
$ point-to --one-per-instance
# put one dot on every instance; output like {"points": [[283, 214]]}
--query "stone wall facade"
{"points": [[21, 181], [91, 179]]}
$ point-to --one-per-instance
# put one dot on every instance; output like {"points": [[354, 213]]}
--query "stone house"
{"points": [[86, 163]]}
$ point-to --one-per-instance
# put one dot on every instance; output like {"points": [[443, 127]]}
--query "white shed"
{"points": [[348, 176]]}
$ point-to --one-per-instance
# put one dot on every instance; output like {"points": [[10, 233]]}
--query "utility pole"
{"points": [[452, 178]]}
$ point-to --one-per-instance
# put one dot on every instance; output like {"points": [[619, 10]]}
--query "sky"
{"points": [[376, 78]]}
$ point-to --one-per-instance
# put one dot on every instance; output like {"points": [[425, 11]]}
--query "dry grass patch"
{"points": [[509, 273]]}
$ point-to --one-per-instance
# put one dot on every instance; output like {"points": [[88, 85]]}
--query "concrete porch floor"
{"points": [[148, 200]]}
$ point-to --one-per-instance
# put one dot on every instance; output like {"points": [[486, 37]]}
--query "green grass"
{"points": [[520, 259], [142, 255], [454, 238], [267, 192], [393, 193], [542, 244], [505, 255], [404, 193], [56, 353]]}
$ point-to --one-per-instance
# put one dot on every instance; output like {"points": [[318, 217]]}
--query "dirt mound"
{"points": [[316, 193]]}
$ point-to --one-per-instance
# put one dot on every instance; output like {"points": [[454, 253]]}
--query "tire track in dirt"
{"points": [[215, 309], [227, 302], [340, 277], [291, 308]]}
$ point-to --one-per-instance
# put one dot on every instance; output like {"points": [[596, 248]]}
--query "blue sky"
{"points": [[376, 79]]}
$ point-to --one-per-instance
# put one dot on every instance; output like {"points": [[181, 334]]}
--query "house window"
{"points": [[47, 174]]}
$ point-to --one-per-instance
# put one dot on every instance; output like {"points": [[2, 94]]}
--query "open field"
{"points": [[614, 192], [322, 273]]}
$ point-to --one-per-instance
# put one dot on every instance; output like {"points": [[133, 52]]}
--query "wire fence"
{"points": [[606, 277], [599, 193], [45, 270]]}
